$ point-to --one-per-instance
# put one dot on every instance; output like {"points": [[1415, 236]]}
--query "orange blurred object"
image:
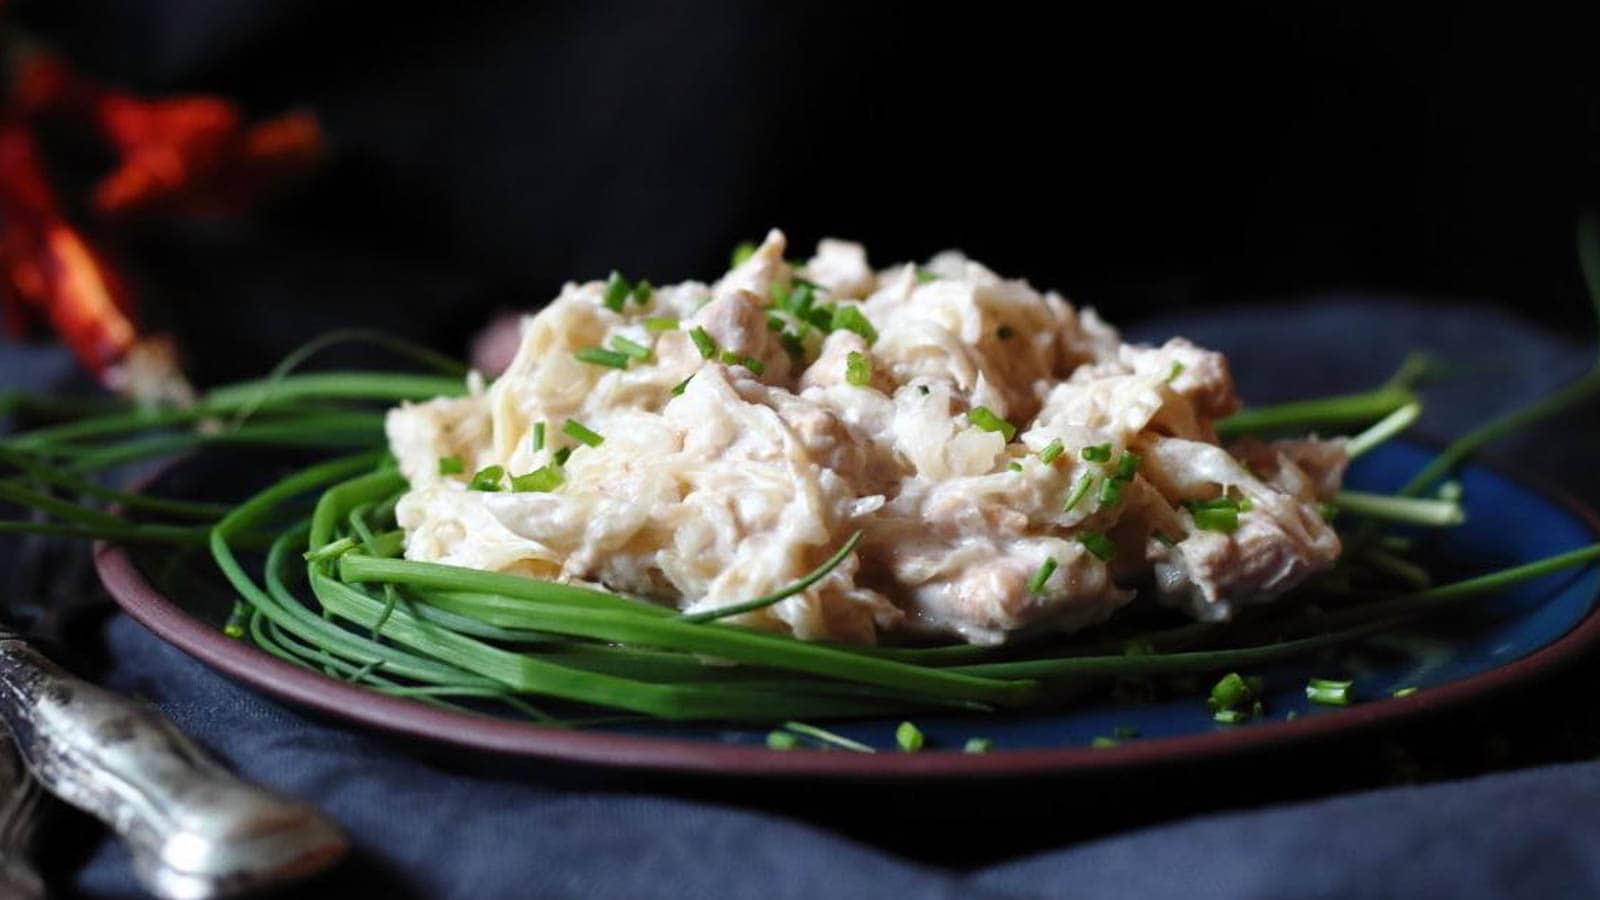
{"points": [[48, 265], [175, 156]]}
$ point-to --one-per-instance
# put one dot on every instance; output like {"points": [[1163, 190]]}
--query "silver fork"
{"points": [[19, 808], [195, 830]]}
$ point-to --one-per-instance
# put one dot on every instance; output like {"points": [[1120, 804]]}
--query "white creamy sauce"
{"points": [[743, 482]]}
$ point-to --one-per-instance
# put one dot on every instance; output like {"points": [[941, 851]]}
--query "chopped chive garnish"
{"points": [[677, 389], [775, 323], [1014, 466], [857, 369], [1079, 491], [1110, 492], [1177, 369], [616, 291], [985, 419], [1098, 544], [1230, 691], [926, 275], [1046, 569], [1404, 692], [544, 478], [730, 358], [451, 465], [1328, 692], [562, 455], [237, 619], [850, 318], [978, 745], [576, 430], [1223, 519], [703, 342], [793, 343], [1004, 333], [487, 479], [922, 389], [820, 316], [538, 436], [599, 356], [1163, 539], [629, 348], [1051, 450], [781, 740], [658, 324], [779, 295], [799, 299], [1230, 716], [1097, 453], [827, 737], [1127, 466], [641, 292], [909, 737], [1101, 742], [741, 254]]}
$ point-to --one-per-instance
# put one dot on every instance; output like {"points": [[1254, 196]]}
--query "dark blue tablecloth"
{"points": [[451, 825]]}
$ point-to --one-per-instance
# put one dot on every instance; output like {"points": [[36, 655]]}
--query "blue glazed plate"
{"points": [[1479, 647]]}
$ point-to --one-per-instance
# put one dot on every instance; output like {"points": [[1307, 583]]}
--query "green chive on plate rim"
{"points": [[1534, 628]]}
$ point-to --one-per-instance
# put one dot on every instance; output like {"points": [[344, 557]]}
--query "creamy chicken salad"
{"points": [[1010, 463]]}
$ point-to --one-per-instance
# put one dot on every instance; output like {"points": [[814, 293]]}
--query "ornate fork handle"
{"points": [[195, 830]]}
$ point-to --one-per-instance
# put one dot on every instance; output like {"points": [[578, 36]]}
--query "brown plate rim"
{"points": [[397, 715]]}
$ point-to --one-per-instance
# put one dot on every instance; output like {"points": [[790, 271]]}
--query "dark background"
{"points": [[1141, 161]]}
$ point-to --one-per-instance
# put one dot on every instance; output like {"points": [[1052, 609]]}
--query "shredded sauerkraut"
{"points": [[724, 477]]}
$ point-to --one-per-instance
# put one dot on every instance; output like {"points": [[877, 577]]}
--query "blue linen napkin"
{"points": [[448, 825]]}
